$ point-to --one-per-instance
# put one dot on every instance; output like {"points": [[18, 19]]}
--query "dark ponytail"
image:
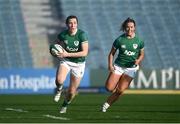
{"points": [[124, 24]]}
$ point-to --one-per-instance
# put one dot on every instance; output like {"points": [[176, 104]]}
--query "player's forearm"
{"points": [[110, 60], [139, 60], [78, 54], [111, 56]]}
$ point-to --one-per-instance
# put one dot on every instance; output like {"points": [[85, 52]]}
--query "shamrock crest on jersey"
{"points": [[135, 46], [76, 43]]}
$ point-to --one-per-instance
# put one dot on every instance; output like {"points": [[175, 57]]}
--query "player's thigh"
{"points": [[77, 72], [62, 72], [112, 81], [77, 69], [74, 83], [124, 82]]}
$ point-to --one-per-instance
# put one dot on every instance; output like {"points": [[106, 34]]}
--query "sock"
{"points": [[65, 103], [68, 100], [59, 87]]}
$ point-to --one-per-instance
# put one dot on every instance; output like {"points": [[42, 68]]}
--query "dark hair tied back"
{"points": [[70, 17], [124, 24]]}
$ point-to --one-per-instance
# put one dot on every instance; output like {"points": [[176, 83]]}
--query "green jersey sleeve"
{"points": [[61, 40], [141, 44], [83, 37], [60, 36], [116, 44]]}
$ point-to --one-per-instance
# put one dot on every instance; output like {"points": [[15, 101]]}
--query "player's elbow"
{"points": [[84, 53]]}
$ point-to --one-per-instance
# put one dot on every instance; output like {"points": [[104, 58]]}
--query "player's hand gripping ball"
{"points": [[55, 49]]}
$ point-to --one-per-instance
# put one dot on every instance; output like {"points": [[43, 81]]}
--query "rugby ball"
{"points": [[55, 49]]}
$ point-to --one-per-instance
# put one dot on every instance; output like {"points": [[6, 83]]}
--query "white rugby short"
{"points": [[128, 71], [77, 69]]}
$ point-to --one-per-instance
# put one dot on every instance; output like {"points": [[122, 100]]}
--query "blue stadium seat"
{"points": [[16, 53], [157, 24]]}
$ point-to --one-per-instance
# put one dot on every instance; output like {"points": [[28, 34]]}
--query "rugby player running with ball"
{"points": [[71, 60]]}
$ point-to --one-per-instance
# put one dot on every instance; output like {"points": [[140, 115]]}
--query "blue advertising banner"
{"points": [[32, 81]]}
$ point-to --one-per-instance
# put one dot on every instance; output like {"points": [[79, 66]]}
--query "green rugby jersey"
{"points": [[129, 50], [73, 43]]}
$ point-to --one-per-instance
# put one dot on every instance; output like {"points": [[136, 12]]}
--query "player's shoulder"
{"points": [[64, 32], [139, 41], [82, 35], [120, 37], [138, 38], [80, 31]]}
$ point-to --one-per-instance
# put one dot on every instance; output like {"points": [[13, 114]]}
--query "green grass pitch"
{"points": [[130, 108]]}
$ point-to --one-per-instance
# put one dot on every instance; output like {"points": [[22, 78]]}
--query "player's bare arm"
{"points": [[82, 53], [111, 58], [140, 58]]}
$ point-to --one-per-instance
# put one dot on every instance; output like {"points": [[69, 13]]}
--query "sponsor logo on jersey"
{"points": [[135, 46], [129, 53], [76, 43], [72, 49]]}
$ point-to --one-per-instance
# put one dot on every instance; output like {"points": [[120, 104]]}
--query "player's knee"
{"points": [[109, 89]]}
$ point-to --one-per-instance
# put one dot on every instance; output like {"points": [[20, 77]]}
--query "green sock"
{"points": [[65, 103], [68, 100], [59, 87]]}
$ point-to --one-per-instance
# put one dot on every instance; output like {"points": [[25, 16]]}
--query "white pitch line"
{"points": [[16, 110], [56, 117]]}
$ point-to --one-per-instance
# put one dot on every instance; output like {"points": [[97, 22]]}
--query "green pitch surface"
{"points": [[86, 109]]}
